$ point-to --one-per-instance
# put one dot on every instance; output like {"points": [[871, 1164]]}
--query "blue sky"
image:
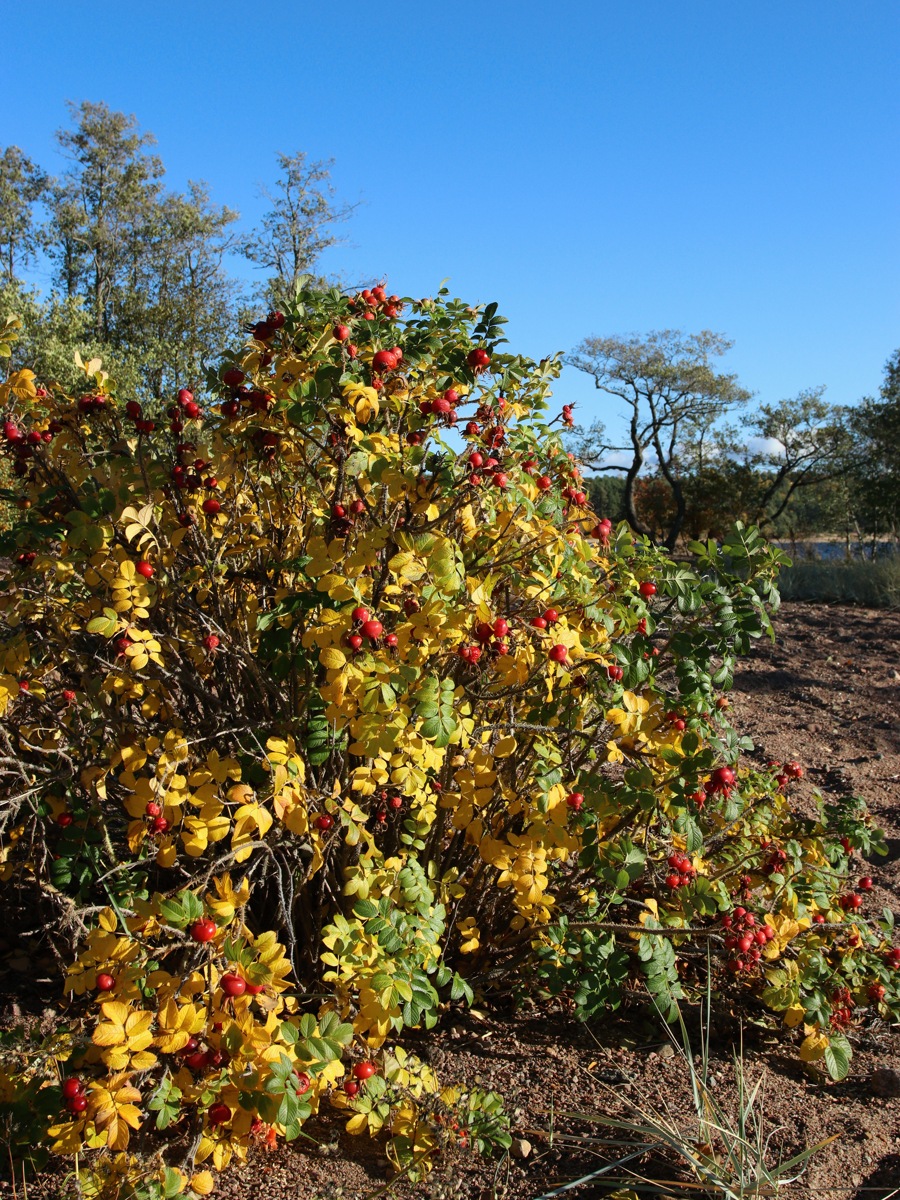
{"points": [[594, 167]]}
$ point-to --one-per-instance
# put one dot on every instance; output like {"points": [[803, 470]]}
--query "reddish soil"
{"points": [[827, 694]]}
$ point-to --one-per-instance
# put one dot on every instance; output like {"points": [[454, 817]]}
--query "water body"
{"points": [[836, 551]]}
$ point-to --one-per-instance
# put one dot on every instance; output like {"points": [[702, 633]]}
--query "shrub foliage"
{"points": [[328, 703]]}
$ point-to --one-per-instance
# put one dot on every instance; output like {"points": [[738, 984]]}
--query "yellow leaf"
{"points": [[332, 658], [117, 1058], [129, 1113], [813, 1047], [793, 1016], [194, 836], [166, 855], [108, 920], [21, 384], [204, 1149], [467, 521], [67, 1138], [357, 1123], [203, 1183], [112, 1031], [505, 747]]}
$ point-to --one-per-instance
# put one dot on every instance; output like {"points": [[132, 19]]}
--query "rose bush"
{"points": [[328, 703]]}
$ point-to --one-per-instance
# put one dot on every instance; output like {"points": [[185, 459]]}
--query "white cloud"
{"points": [[770, 447]]}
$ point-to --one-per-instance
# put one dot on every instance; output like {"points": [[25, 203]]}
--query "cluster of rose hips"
{"points": [[570, 493], [478, 462], [187, 409], [235, 985], [383, 362], [892, 958], [682, 871], [776, 859], [567, 416], [491, 638], [491, 417], [187, 476], [91, 403], [325, 821], [158, 823], [259, 401], [601, 532], [573, 495], [786, 772], [367, 305], [361, 1071], [73, 1095], [264, 331], [546, 620], [24, 446], [197, 1059], [841, 1008], [371, 300], [443, 406], [558, 653], [745, 938], [677, 721], [492, 434], [366, 626], [15, 438], [615, 672], [386, 801], [343, 516]]}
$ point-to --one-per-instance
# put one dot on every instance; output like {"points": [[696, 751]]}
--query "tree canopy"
{"points": [[142, 275], [672, 395]]}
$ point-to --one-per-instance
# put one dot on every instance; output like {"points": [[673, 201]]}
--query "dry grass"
{"points": [[861, 582]]}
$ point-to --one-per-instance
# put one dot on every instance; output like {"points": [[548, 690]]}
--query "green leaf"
{"points": [[289, 1033], [105, 625], [837, 1056], [460, 990]]}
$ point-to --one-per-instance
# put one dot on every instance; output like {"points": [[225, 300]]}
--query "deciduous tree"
{"points": [[298, 227], [22, 186], [672, 395]]}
